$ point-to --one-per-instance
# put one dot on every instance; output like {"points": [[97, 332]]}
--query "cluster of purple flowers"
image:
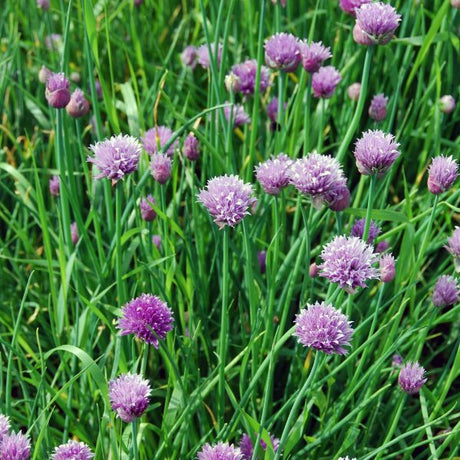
{"points": [[14, 446]]}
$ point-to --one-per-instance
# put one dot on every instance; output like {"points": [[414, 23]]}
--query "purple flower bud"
{"points": [[237, 112], [57, 90], [78, 106], [15, 446], [313, 270], [340, 200], [382, 246], [4, 426], [220, 451], [147, 212], [129, 396], [156, 240], [396, 361], [447, 103], [378, 107], [161, 166], [442, 174], [247, 448], [203, 55], [72, 450], [273, 174], [156, 138], [361, 37], [43, 4], [349, 6], [358, 230], [188, 57], [272, 109], [262, 259], [387, 268], [325, 81], [74, 233], [44, 74], [246, 73], [282, 52], [354, 91], [313, 55], [191, 149], [411, 378], [446, 291], [453, 247], [55, 185]]}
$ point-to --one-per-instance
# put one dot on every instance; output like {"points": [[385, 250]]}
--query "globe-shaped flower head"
{"points": [[324, 328], [349, 262], [4, 426], [55, 186], [387, 268], [446, 291], [246, 73], [273, 174], [282, 52], [220, 451], [147, 212], [228, 199], [411, 378], [442, 174], [129, 396], [57, 91], [156, 138], [15, 446], [247, 448], [203, 55], [325, 81], [161, 166], [453, 247], [72, 450], [378, 107], [358, 230], [191, 149], [313, 55], [349, 6], [78, 105], [447, 103], [116, 157], [147, 317], [375, 153], [188, 57], [237, 113], [377, 22]]}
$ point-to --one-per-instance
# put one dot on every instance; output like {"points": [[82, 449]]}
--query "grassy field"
{"points": [[231, 364]]}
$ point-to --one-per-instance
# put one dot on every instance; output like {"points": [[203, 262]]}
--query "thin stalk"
{"points": [[135, 450], [370, 199], [118, 267], [306, 120], [321, 126], [280, 114]]}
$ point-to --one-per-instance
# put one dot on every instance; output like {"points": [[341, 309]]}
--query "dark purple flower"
{"points": [[44, 74], [191, 149], [411, 378], [453, 247], [220, 451], [246, 73], [446, 291], [325, 81], [282, 52], [358, 230], [340, 199], [349, 6], [147, 212], [262, 259], [129, 396], [377, 21], [442, 174], [15, 446], [247, 448], [147, 317], [348, 261], [188, 57], [272, 109], [72, 450], [361, 37], [273, 174], [156, 240], [74, 233], [57, 91], [228, 199], [313, 55], [238, 114], [382, 246], [78, 105], [387, 268], [354, 90], [156, 138], [447, 103], [203, 55], [319, 176], [4, 426], [375, 152], [55, 185], [161, 166], [43, 4], [324, 328], [378, 107], [116, 157]]}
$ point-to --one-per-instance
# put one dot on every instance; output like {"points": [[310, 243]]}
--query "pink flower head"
{"points": [[57, 91], [387, 268], [155, 139], [447, 103], [237, 113], [354, 90], [349, 6], [161, 166], [358, 230], [313, 55], [191, 149], [247, 448], [453, 247], [246, 73], [446, 291], [378, 107], [272, 109], [147, 212], [411, 378], [188, 57], [220, 451], [203, 55], [78, 105], [72, 450], [325, 81], [282, 52], [442, 174], [15, 446], [273, 174]]}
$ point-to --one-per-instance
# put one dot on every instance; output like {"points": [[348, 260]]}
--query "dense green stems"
{"points": [[359, 107], [370, 203], [135, 450], [280, 118], [306, 120], [322, 105], [121, 292], [318, 360], [249, 276]]}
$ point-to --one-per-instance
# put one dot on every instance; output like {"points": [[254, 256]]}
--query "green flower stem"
{"points": [[359, 107], [369, 207], [135, 450], [306, 120], [280, 114], [118, 266], [322, 105]]}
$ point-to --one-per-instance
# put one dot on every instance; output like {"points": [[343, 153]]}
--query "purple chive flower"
{"points": [[375, 152], [340, 199], [220, 451], [273, 174], [191, 149], [72, 450], [156, 138], [4, 426], [43, 4], [442, 174], [247, 448], [354, 90], [78, 105], [188, 57], [44, 74], [74, 233], [313, 271], [319, 176], [262, 259], [349, 6], [116, 157], [387, 268], [282, 52], [138, 2], [147, 213], [246, 73], [453, 247], [55, 185], [348, 261], [237, 112], [396, 361], [358, 230], [147, 317], [411, 378], [228, 199], [98, 87], [203, 55], [325, 81], [15, 446], [361, 37], [156, 240], [129, 396], [161, 166], [272, 109], [378, 107], [377, 21], [447, 103], [313, 55], [57, 91], [382, 246], [324, 328], [446, 291], [455, 3]]}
